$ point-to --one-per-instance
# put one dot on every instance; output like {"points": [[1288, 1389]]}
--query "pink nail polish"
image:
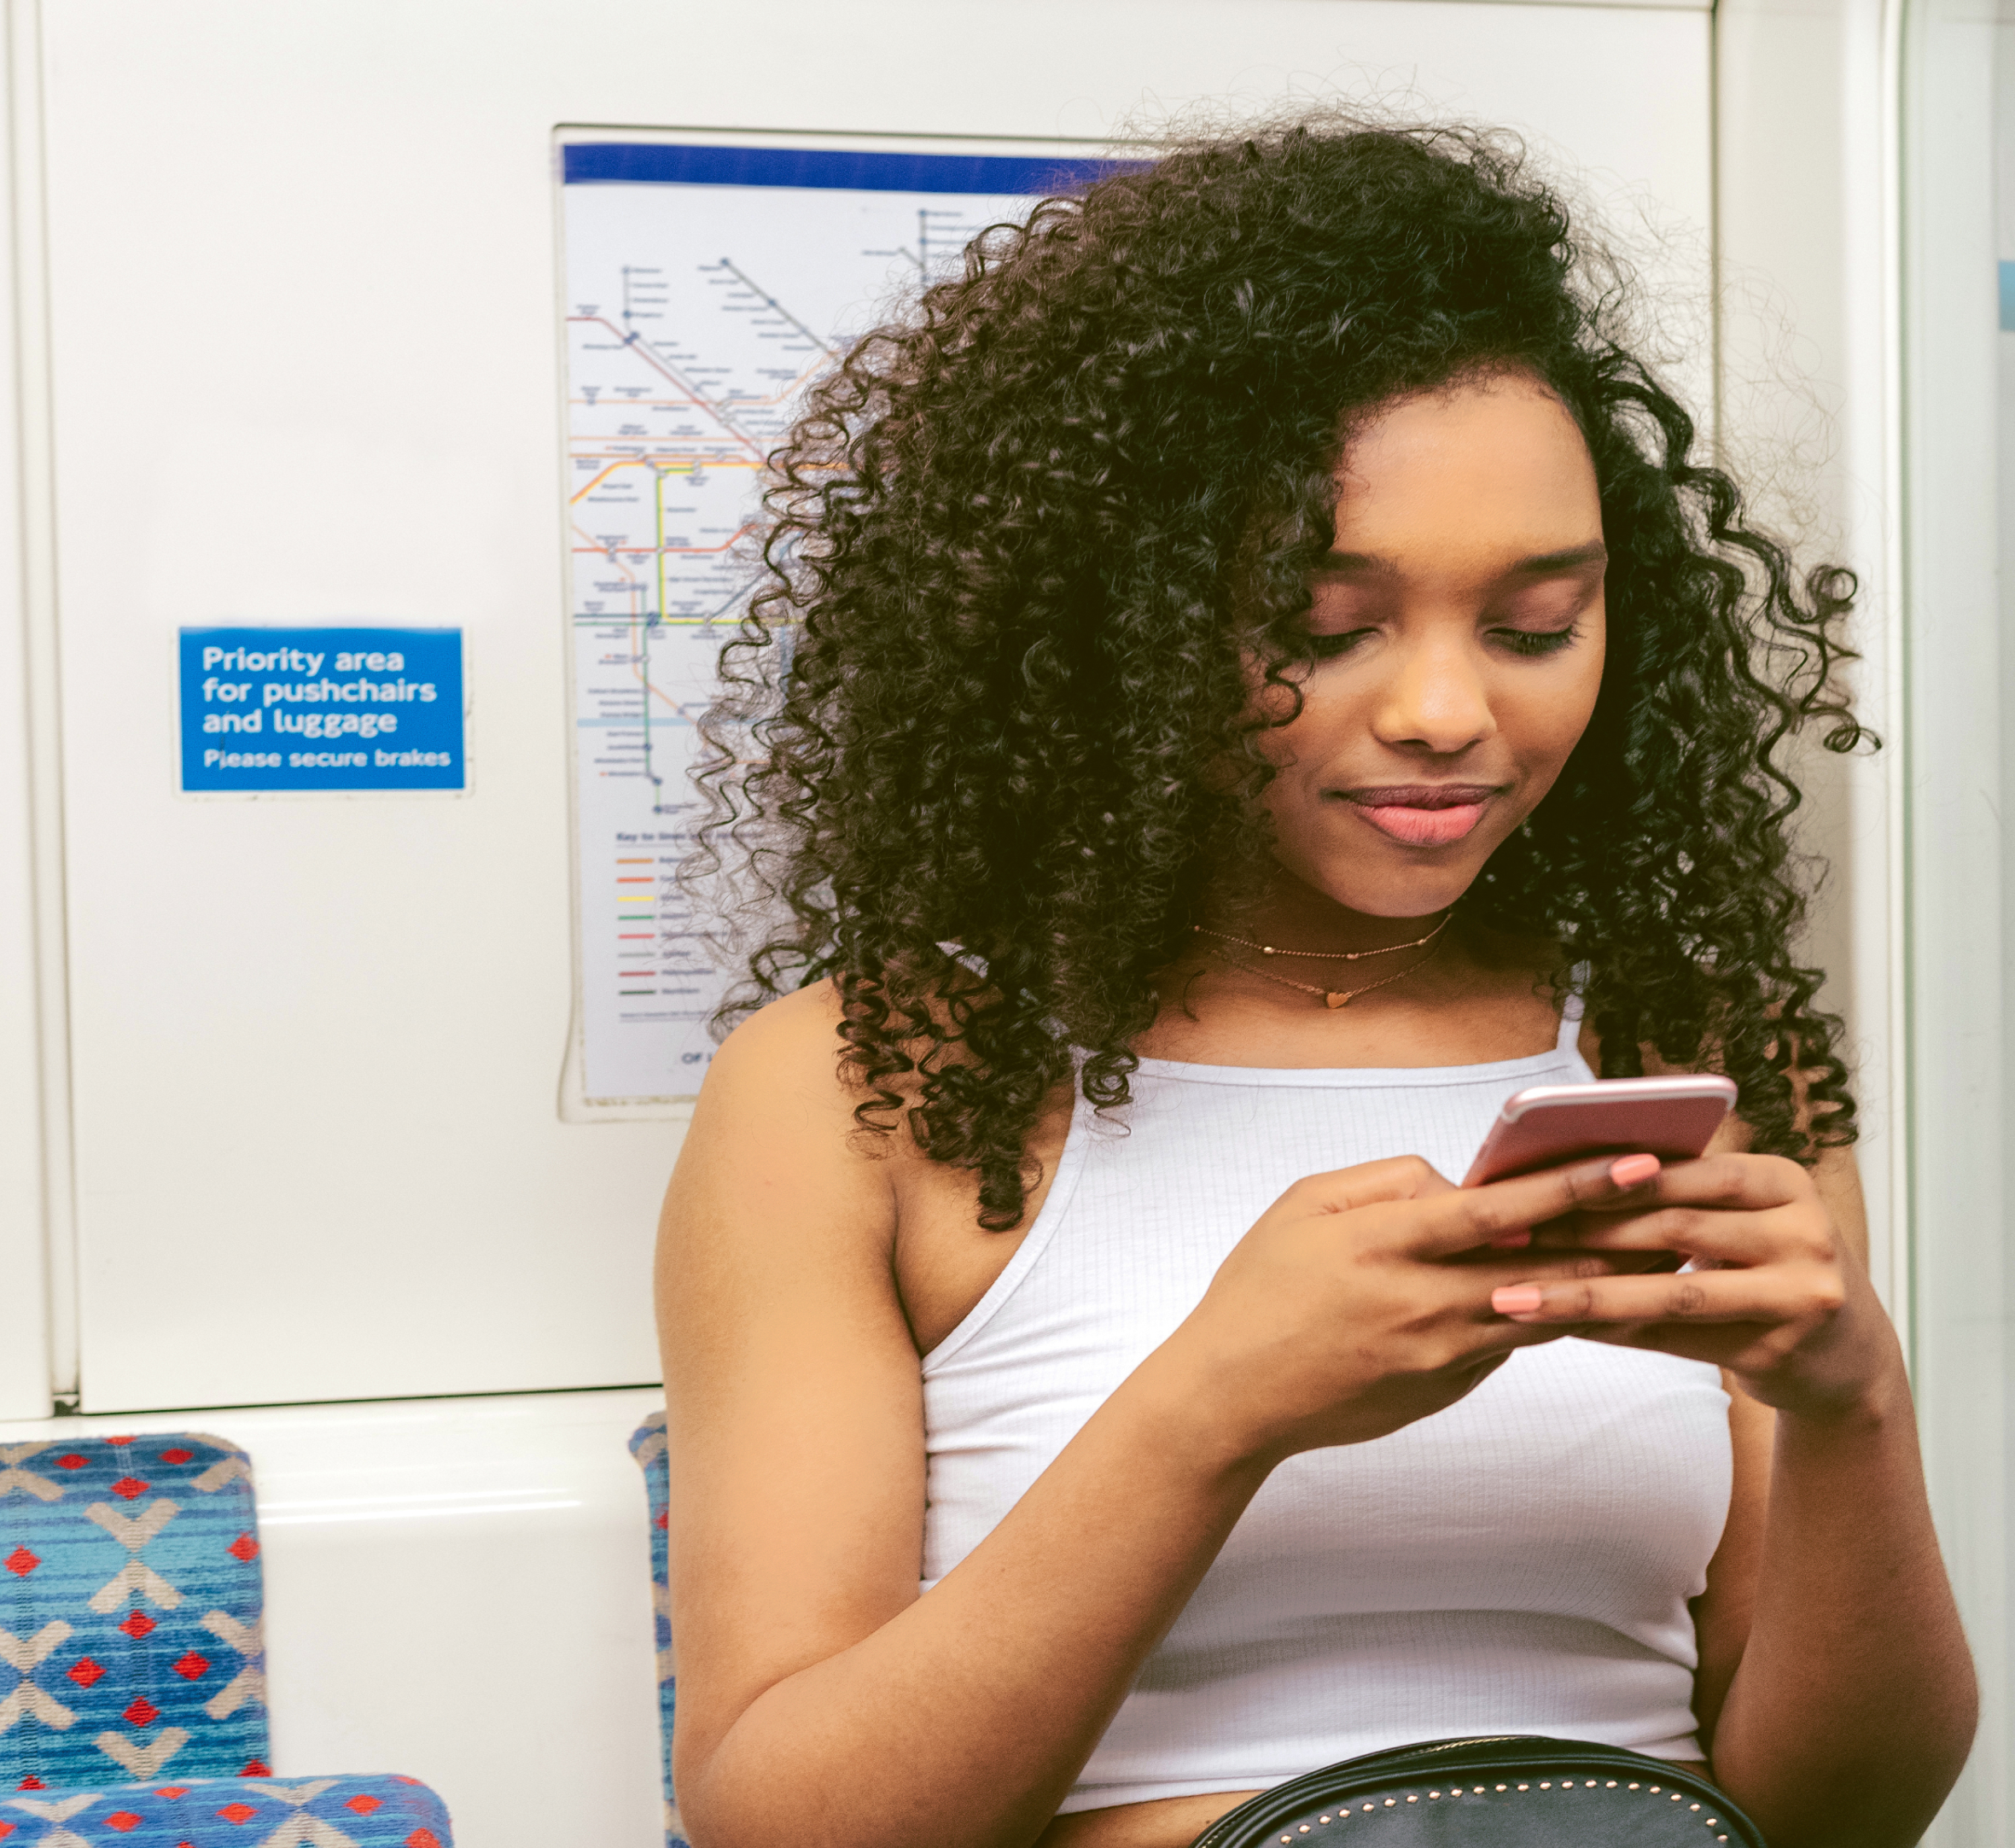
{"points": [[1517, 1298], [1633, 1170]]}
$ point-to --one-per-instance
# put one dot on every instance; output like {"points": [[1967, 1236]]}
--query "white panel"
{"points": [[34, 1160], [448, 1583], [1959, 786], [305, 369]]}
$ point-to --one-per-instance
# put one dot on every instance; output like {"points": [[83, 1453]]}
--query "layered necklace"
{"points": [[1327, 997]]}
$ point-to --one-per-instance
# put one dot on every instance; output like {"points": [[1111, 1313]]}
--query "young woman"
{"points": [[1269, 682]]}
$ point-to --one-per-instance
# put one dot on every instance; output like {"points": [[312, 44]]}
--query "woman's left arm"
{"points": [[1852, 1702]]}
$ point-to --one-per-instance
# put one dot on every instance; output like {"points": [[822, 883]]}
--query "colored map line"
{"points": [[662, 469], [634, 341]]}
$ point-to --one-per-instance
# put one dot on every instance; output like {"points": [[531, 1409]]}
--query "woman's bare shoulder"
{"points": [[784, 1063], [799, 1029], [775, 1153]]}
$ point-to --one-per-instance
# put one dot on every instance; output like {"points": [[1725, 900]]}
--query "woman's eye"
{"points": [[1328, 646], [1536, 641]]}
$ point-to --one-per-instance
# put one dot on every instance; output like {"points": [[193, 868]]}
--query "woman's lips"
{"points": [[1422, 814], [1424, 827]]}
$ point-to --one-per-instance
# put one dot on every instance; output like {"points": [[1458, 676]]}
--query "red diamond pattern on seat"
{"points": [[176, 1455], [192, 1666], [21, 1562], [257, 1768], [128, 1438], [71, 1461], [364, 1804], [85, 1672], [137, 1625], [422, 1838], [124, 1821], [173, 1791], [6, 1829], [30, 1783], [142, 1712], [237, 1812], [127, 1487], [243, 1547]]}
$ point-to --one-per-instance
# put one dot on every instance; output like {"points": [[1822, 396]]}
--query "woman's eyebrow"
{"points": [[1356, 563], [1593, 553], [1538, 564]]}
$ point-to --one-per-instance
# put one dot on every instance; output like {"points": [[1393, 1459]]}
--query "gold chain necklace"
{"points": [[1325, 956], [1338, 997]]}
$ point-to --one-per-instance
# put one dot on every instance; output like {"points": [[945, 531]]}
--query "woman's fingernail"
{"points": [[1510, 1240], [1633, 1170], [1517, 1298]]}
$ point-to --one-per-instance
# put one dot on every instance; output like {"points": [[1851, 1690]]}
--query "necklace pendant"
{"points": [[1336, 1000]]}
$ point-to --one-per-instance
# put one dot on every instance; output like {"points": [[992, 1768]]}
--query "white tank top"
{"points": [[1518, 1562]]}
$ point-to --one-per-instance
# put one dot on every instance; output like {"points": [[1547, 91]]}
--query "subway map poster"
{"points": [[706, 282]]}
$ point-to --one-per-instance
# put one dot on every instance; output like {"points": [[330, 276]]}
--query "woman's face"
{"points": [[1458, 642]]}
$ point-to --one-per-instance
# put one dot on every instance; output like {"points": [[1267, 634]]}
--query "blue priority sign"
{"points": [[349, 708]]}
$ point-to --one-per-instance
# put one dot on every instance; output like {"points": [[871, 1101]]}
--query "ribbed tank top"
{"points": [[1518, 1562]]}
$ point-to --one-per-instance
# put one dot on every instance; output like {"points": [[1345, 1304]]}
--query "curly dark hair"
{"points": [[1026, 538]]}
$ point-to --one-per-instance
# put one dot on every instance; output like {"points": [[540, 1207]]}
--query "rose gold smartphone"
{"points": [[1672, 1117]]}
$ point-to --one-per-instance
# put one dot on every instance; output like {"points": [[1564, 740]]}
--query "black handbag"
{"points": [[1514, 1791]]}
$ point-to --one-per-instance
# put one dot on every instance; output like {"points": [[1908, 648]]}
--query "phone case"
{"points": [[1673, 1118]]}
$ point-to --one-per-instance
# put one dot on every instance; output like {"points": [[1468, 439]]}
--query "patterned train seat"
{"points": [[314, 1812], [130, 1602], [647, 1445], [132, 1675]]}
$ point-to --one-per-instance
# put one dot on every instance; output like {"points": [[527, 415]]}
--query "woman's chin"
{"points": [[1415, 897], [1379, 878]]}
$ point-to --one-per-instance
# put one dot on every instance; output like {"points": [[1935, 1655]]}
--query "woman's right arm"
{"points": [[820, 1698]]}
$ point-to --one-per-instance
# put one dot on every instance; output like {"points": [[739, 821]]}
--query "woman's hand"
{"points": [[1774, 1296], [1360, 1301]]}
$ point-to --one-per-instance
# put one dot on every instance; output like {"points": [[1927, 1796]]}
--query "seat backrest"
{"points": [[130, 1606], [647, 1445]]}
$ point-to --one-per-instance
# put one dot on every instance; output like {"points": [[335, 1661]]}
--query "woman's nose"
{"points": [[1434, 698]]}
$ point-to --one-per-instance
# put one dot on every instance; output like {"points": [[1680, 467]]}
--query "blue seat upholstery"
{"points": [[132, 1672], [130, 1602], [297, 1812], [647, 1445]]}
